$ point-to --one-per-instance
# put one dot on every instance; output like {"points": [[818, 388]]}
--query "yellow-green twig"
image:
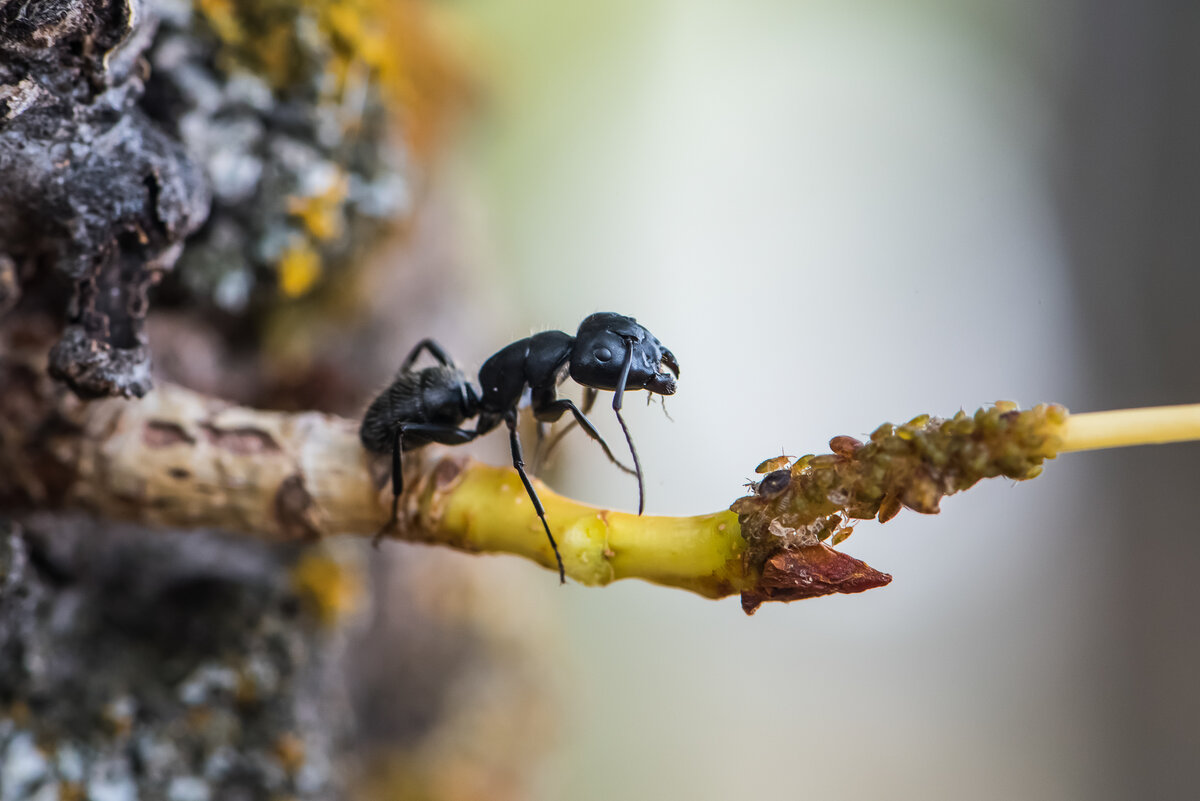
{"points": [[477, 507], [1124, 427]]}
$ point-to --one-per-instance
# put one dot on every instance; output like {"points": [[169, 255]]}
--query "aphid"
{"points": [[841, 535], [774, 482], [610, 352], [770, 465], [844, 446], [889, 508]]}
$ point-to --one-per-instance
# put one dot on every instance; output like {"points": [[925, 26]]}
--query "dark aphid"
{"points": [[610, 352], [774, 482]]}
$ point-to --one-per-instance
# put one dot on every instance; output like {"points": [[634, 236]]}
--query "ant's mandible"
{"points": [[610, 351]]}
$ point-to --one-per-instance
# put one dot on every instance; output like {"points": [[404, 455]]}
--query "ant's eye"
{"points": [[602, 354]]}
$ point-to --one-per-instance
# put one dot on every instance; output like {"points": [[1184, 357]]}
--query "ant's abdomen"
{"points": [[399, 403]]}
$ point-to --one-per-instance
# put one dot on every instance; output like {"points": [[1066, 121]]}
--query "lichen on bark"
{"points": [[147, 663], [264, 131], [283, 106]]}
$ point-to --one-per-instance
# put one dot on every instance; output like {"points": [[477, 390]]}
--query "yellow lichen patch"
{"points": [[356, 32], [299, 268], [331, 589], [323, 213], [71, 791], [286, 41], [428, 76], [344, 47], [246, 691], [405, 48], [289, 748], [20, 714], [222, 16], [277, 56]]}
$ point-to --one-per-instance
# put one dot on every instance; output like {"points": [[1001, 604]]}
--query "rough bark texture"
{"points": [[140, 663], [282, 104], [135, 664], [151, 663], [126, 125], [179, 458], [92, 191]]}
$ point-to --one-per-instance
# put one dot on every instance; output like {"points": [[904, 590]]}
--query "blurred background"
{"points": [[835, 214], [838, 214]]}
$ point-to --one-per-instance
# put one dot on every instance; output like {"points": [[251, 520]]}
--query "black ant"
{"points": [[610, 352]]}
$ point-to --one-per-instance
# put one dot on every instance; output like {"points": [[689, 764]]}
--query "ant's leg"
{"points": [[397, 488], [446, 435], [554, 409], [618, 394], [589, 400], [441, 433], [519, 464], [538, 455], [435, 350]]}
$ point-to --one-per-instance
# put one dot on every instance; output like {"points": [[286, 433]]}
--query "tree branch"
{"points": [[1122, 427], [177, 458], [180, 459]]}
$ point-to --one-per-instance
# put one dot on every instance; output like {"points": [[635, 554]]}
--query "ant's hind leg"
{"points": [[435, 350], [519, 464], [421, 433], [397, 489]]}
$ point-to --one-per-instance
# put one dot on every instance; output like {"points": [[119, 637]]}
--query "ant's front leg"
{"points": [[425, 433], [548, 408], [618, 397], [519, 463]]}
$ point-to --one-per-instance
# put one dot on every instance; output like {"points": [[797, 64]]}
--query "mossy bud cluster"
{"points": [[914, 465]]}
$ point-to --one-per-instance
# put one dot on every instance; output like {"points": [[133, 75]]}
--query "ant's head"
{"points": [[604, 342]]}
